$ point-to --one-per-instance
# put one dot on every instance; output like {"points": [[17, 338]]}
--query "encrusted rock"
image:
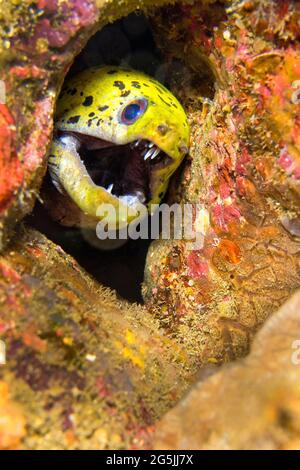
{"points": [[253, 404], [85, 369], [244, 174]]}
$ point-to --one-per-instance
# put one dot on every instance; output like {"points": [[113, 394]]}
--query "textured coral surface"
{"points": [[244, 172], [253, 404], [38, 42], [85, 370]]}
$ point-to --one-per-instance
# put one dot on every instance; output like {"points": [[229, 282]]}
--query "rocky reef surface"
{"points": [[86, 370], [243, 172], [251, 404]]}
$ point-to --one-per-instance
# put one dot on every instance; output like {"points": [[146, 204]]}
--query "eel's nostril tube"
{"points": [[163, 129]]}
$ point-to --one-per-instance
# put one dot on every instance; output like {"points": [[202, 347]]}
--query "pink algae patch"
{"points": [[196, 265]]}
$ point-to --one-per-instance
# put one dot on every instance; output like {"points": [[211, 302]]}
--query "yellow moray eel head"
{"points": [[119, 136]]}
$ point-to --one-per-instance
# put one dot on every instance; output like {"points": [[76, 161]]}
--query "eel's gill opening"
{"points": [[131, 42]]}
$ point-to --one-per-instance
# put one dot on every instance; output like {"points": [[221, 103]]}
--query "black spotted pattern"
{"points": [[119, 84], [165, 102], [125, 93], [136, 84], [73, 119], [88, 101], [90, 121]]}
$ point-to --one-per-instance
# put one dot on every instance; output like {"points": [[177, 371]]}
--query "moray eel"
{"points": [[119, 136]]}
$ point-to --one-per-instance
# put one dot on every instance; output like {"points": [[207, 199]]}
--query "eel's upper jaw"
{"points": [[148, 149]]}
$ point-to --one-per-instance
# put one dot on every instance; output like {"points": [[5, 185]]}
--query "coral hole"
{"points": [[141, 43]]}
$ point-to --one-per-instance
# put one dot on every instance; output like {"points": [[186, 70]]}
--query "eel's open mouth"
{"points": [[122, 170]]}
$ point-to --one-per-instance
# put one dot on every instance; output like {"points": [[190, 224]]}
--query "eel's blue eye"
{"points": [[133, 111]]}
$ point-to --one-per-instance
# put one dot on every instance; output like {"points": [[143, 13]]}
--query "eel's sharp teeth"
{"points": [[150, 145], [110, 188], [157, 151], [137, 143], [148, 154]]}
